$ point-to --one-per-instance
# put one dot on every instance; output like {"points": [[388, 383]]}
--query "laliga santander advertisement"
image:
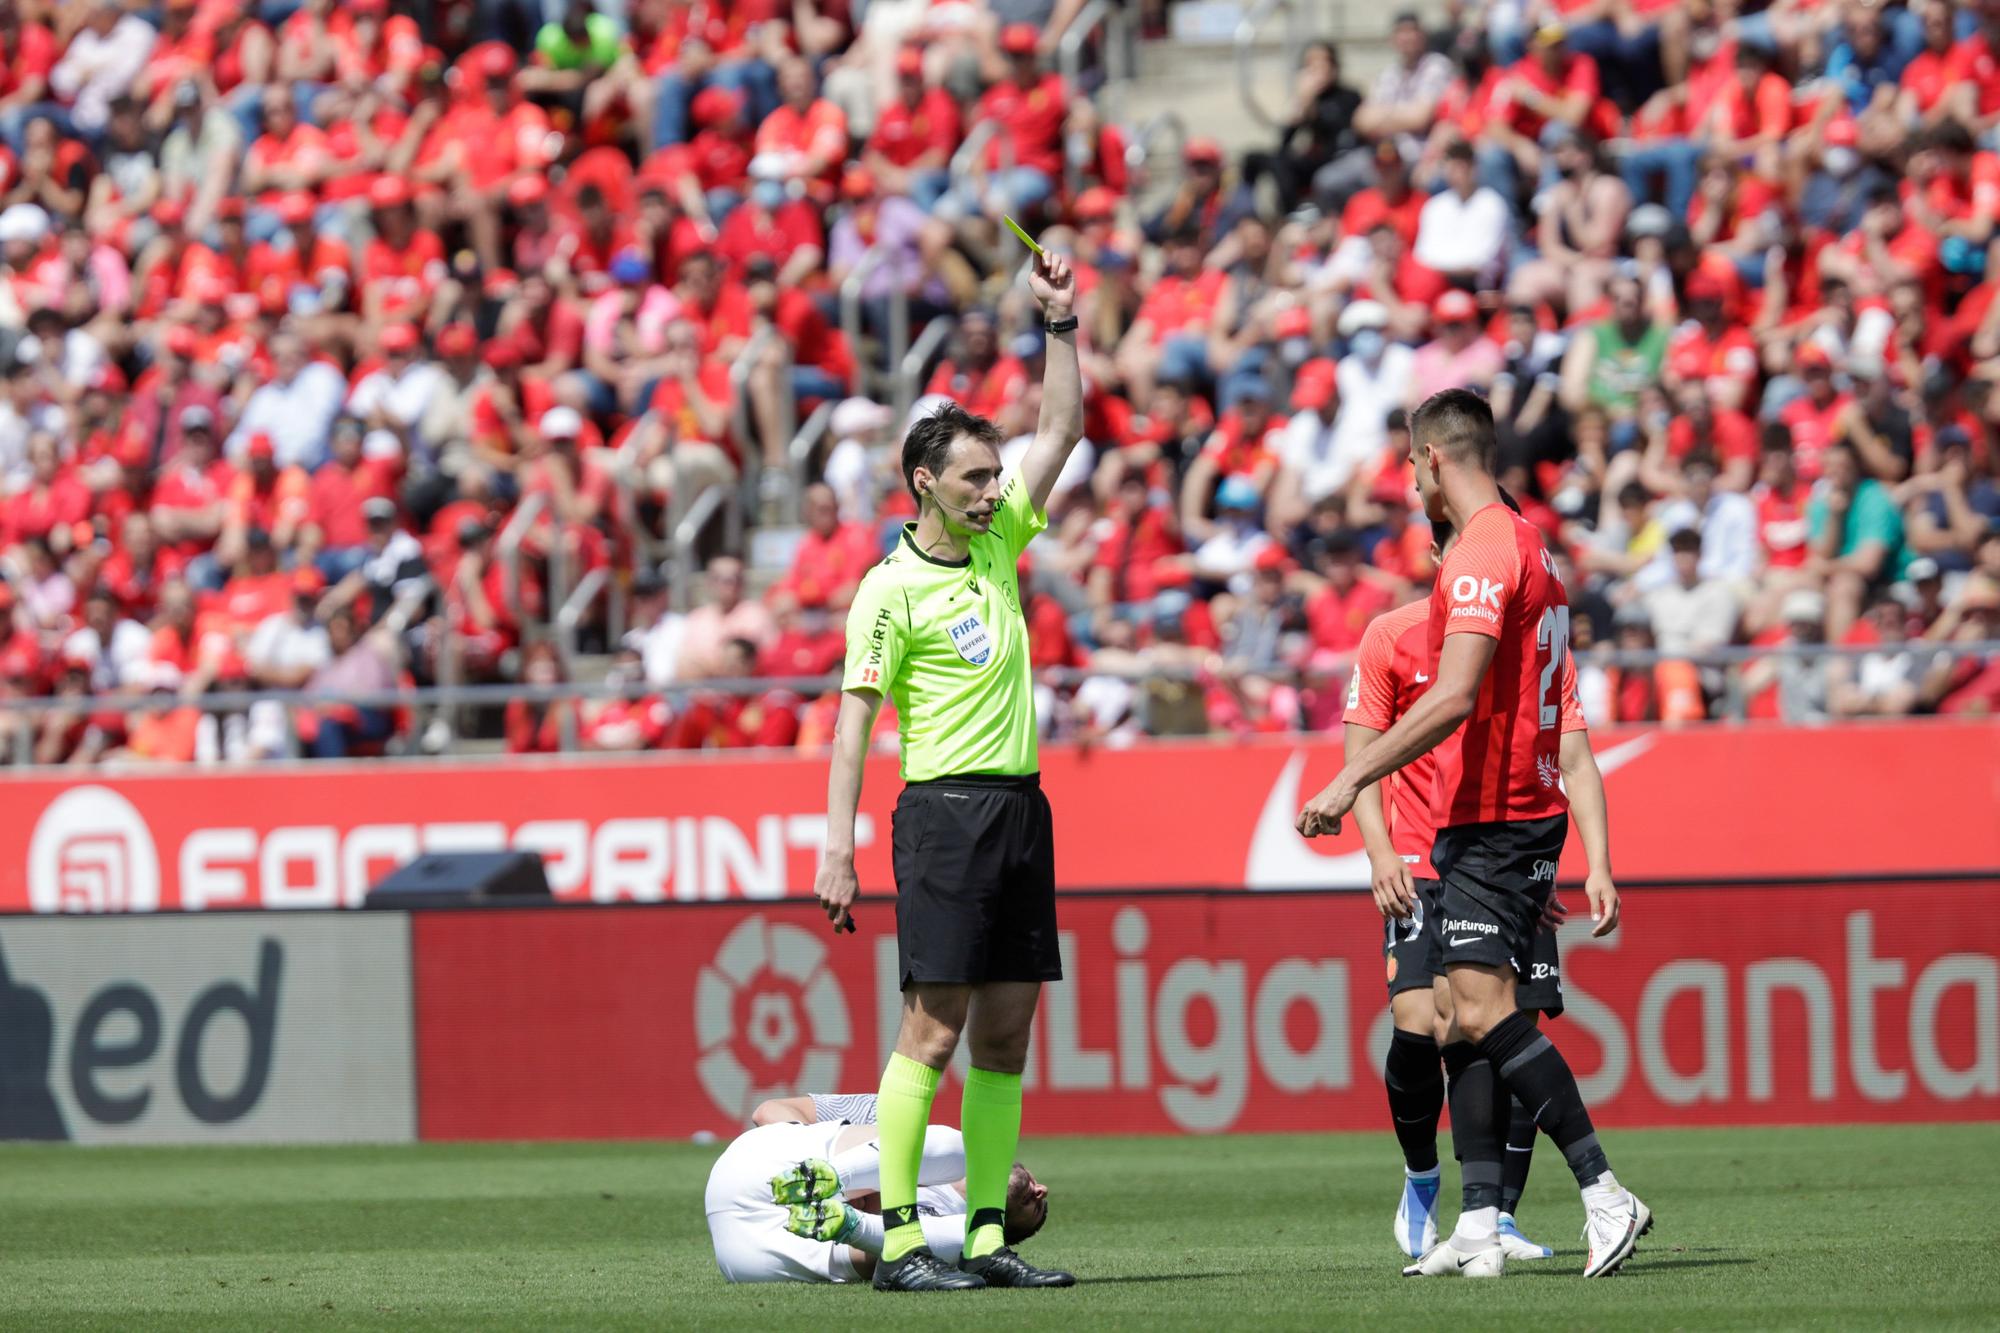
{"points": [[1208, 1013], [1705, 802]]}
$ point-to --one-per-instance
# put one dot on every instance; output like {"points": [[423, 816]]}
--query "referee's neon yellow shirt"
{"points": [[947, 641]]}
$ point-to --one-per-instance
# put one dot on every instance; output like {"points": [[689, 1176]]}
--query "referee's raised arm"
{"points": [[1061, 422]]}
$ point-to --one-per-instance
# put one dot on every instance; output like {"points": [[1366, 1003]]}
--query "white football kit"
{"points": [[747, 1226]]}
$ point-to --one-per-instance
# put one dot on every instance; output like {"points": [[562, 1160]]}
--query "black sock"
{"points": [[1475, 1130], [1416, 1096], [1520, 1155], [1534, 1070]]}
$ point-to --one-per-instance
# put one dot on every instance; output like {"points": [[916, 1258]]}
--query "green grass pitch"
{"points": [[1758, 1229]]}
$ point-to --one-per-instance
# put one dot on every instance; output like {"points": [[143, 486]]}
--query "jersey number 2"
{"points": [[1552, 638]]}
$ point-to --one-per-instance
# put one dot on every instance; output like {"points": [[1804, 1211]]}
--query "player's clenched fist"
{"points": [[1323, 813], [836, 887]]}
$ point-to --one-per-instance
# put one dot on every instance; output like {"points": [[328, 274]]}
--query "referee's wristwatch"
{"points": [[1063, 325]]}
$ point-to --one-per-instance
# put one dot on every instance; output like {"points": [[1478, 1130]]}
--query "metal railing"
{"points": [[1141, 155], [910, 374], [897, 335], [762, 343], [1246, 41], [799, 453], [1109, 22], [687, 532], [458, 697], [507, 548], [569, 616]]}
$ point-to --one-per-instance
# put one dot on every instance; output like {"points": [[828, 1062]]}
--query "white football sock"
{"points": [[1477, 1225], [860, 1167]]}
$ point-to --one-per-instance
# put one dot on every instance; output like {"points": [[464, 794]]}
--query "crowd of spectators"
{"points": [[300, 302]]}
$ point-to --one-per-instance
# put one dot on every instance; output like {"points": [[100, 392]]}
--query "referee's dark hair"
{"points": [[1459, 423], [928, 445]]}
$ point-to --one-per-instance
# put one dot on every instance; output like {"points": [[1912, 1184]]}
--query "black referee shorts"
{"points": [[1413, 952], [975, 881]]}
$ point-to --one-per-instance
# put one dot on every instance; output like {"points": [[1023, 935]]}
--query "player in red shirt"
{"points": [[1390, 675], [1499, 630]]}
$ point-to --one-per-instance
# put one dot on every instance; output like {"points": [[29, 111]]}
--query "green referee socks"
{"points": [[990, 1119], [902, 1112]]}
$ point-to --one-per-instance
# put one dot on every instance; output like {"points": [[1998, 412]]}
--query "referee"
{"points": [[938, 627]]}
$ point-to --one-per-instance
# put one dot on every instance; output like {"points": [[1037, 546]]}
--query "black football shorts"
{"points": [[975, 881]]}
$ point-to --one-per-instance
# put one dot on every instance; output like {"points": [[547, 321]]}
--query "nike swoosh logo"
{"points": [[1422, 678], [1469, 939], [1280, 859], [1463, 1262]]}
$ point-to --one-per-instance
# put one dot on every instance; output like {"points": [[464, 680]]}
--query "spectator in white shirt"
{"points": [[395, 398], [1310, 468], [1374, 380], [97, 69], [1726, 520], [296, 408], [1462, 232], [1691, 614], [1403, 103]]}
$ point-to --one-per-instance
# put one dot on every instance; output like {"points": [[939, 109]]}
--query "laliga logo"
{"points": [[769, 1017], [92, 852]]}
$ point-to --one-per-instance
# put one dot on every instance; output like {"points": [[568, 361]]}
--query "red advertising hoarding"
{"points": [[1704, 802], [1209, 1012]]}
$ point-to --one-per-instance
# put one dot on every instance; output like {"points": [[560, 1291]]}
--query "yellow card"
{"points": [[1026, 239]]}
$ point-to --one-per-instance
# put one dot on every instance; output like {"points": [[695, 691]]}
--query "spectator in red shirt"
{"points": [[335, 536], [1712, 351], [773, 225], [1140, 549], [1169, 338], [915, 134], [1024, 159], [191, 501], [536, 726], [974, 374], [1554, 84], [1340, 610], [805, 136], [831, 557]]}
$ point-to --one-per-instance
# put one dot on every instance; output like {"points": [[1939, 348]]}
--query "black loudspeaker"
{"points": [[462, 879]]}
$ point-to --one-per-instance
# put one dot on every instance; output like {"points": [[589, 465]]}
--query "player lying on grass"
{"points": [[799, 1202], [1391, 674], [1497, 639]]}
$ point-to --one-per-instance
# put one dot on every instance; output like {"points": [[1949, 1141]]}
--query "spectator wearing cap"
{"points": [[1320, 154], [700, 47], [566, 464], [1375, 378], [1169, 337], [859, 465], [300, 267], [1225, 547], [916, 132], [190, 503], [491, 142], [296, 407], [1200, 207], [1023, 161], [393, 397], [1802, 685], [712, 172], [1552, 89], [832, 556], [624, 334], [1854, 535], [1463, 230], [655, 633], [1813, 416], [403, 265], [1138, 550], [505, 406], [1461, 355], [1711, 351], [266, 498], [337, 531], [1241, 447]]}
